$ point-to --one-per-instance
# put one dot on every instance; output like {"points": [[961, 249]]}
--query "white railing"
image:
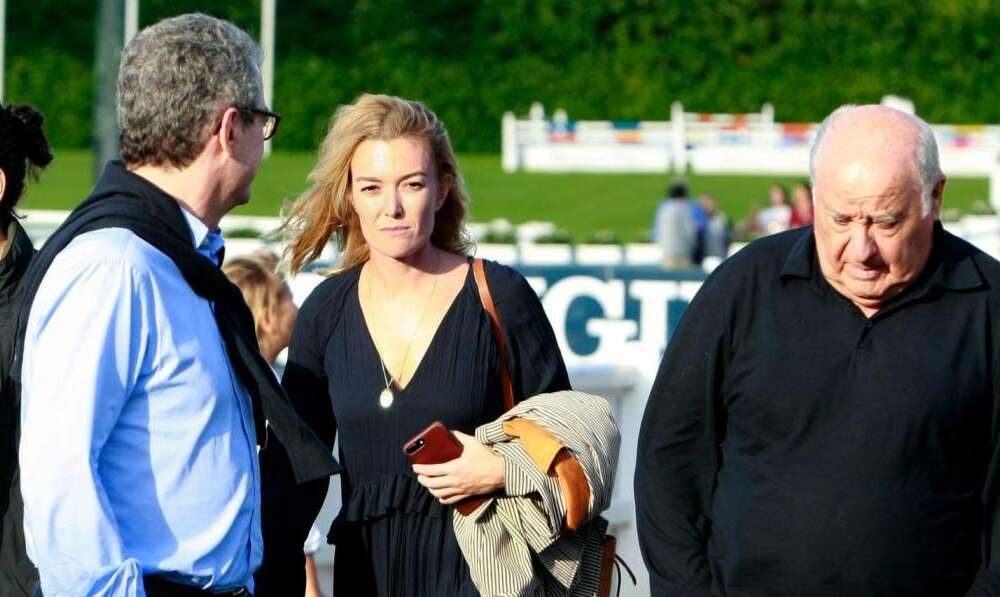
{"points": [[751, 143], [982, 231]]}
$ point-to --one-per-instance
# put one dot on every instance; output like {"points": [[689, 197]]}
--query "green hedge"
{"points": [[619, 59]]}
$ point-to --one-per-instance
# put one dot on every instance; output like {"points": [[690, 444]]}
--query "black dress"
{"points": [[392, 536]]}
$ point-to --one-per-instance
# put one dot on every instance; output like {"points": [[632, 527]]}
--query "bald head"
{"points": [[875, 136], [877, 192]]}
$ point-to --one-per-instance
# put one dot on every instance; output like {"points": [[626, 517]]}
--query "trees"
{"points": [[471, 60]]}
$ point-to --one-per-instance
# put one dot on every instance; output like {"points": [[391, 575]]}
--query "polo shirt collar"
{"points": [[950, 264], [801, 259]]}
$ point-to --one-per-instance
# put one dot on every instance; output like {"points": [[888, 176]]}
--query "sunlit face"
{"points": [[871, 236], [396, 193]]}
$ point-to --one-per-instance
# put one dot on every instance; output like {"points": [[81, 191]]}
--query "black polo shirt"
{"points": [[792, 446]]}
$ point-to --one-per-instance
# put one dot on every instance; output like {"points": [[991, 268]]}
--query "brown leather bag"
{"points": [[487, 299], [608, 557]]}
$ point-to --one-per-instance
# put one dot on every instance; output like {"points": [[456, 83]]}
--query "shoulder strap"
{"points": [[491, 310]]}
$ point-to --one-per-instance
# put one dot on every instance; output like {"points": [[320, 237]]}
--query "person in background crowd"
{"points": [[700, 218], [776, 216], [824, 421], [274, 313], [394, 340], [269, 299], [717, 228], [144, 391], [23, 152], [802, 205], [674, 227]]}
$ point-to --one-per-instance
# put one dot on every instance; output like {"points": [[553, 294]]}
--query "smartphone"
{"points": [[435, 445]]}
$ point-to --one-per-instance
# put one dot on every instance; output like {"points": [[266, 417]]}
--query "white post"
{"points": [[995, 183], [131, 20], [679, 149], [767, 114], [768, 135], [536, 112], [3, 42], [267, 45], [560, 119], [899, 103], [508, 142]]}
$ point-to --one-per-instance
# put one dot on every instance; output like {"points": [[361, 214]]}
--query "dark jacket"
{"points": [[17, 574], [122, 199]]}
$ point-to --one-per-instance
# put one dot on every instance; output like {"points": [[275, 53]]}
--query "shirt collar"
{"points": [[117, 179], [205, 241], [950, 264]]}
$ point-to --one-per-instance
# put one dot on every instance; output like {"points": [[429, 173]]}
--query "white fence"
{"points": [[708, 143]]}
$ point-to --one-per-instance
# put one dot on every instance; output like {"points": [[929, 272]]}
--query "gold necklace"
{"points": [[386, 397]]}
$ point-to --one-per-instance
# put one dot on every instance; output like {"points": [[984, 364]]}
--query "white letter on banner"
{"points": [[653, 296], [610, 295]]}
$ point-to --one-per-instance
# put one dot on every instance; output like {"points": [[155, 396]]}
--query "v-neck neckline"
{"points": [[430, 345]]}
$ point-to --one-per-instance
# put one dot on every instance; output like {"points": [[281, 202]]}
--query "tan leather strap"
{"points": [[491, 310]]}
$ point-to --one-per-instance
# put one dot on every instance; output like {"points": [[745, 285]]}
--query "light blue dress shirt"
{"points": [[138, 453]]}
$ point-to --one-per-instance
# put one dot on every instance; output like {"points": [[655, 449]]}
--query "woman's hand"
{"points": [[477, 471]]}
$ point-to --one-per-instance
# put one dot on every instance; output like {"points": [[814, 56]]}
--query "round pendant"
{"points": [[385, 398]]}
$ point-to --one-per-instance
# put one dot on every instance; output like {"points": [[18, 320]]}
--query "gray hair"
{"points": [[926, 155], [174, 78]]}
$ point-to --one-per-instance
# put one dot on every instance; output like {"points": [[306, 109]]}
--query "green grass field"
{"points": [[578, 203]]}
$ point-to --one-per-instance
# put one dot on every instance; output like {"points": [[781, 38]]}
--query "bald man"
{"points": [[825, 420]]}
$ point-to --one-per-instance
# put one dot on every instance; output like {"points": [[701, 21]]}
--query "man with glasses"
{"points": [[143, 393], [269, 121]]}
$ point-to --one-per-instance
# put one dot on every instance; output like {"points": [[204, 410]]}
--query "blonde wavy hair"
{"points": [[257, 278], [325, 209]]}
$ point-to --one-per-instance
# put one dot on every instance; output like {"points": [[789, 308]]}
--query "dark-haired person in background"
{"points": [[802, 205], [23, 150], [675, 229]]}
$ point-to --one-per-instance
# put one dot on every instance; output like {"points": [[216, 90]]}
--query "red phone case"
{"points": [[435, 445]]}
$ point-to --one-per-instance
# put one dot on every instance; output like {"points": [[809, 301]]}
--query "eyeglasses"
{"points": [[271, 121]]}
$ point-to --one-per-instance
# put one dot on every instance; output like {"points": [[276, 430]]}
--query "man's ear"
{"points": [[3, 182], [937, 196], [228, 129]]}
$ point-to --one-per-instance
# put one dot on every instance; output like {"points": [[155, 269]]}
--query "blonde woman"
{"points": [[395, 339]]}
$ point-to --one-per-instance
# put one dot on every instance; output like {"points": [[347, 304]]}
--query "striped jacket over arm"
{"points": [[515, 544]]}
